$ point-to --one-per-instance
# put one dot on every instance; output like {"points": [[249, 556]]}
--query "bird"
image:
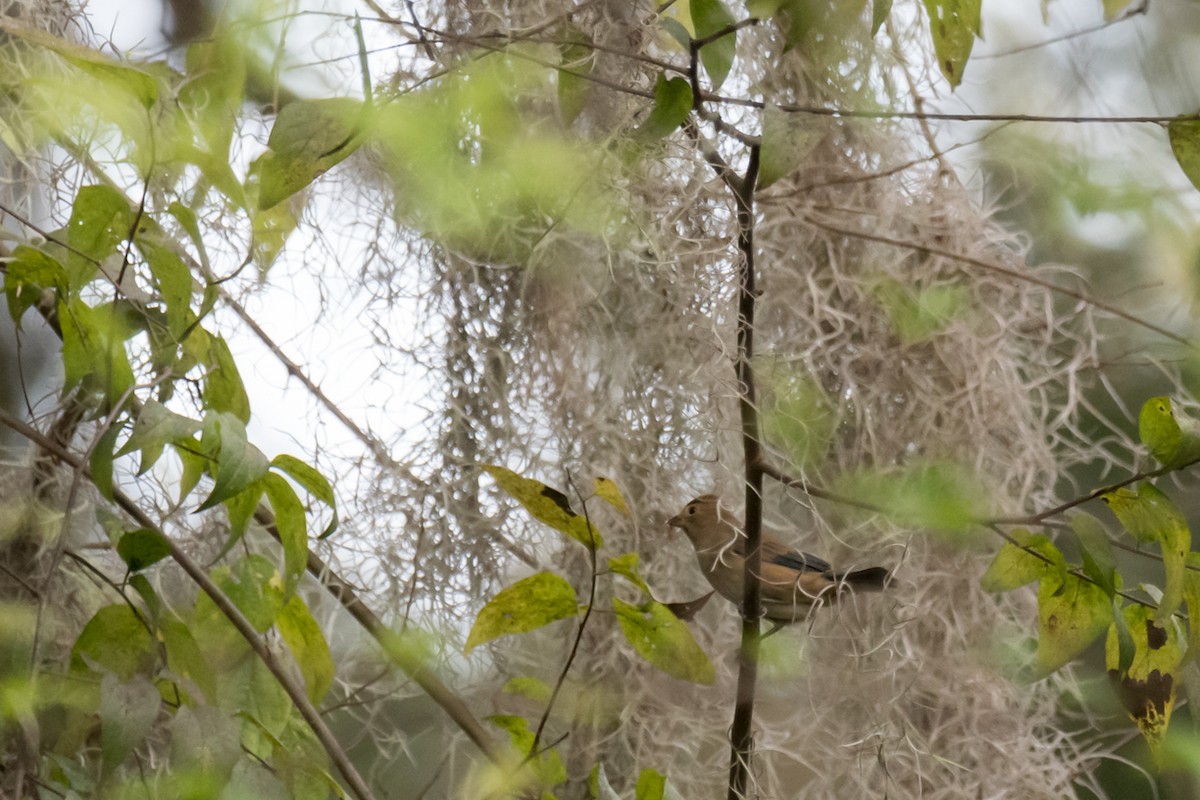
{"points": [[791, 582]]}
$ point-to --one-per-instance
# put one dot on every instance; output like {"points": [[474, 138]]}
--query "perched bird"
{"points": [[792, 582]]}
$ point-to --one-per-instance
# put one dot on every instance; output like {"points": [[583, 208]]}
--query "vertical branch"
{"points": [[741, 733]]}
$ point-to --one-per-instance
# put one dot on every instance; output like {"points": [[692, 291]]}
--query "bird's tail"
{"points": [[871, 579]]}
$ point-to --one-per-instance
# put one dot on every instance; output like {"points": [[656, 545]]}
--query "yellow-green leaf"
{"points": [[1184, 135], [548, 765], [626, 565], [546, 504], [1030, 559], [787, 139], [308, 138], [223, 387], [608, 491], [313, 482], [239, 463], [289, 521], [1150, 515], [577, 57], [1173, 438], [1148, 689], [1113, 8], [155, 427], [662, 639], [1072, 612], [527, 605], [1191, 593], [142, 548], [116, 640], [306, 641], [954, 25]]}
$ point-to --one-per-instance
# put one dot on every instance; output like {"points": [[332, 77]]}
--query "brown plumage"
{"points": [[791, 581]]}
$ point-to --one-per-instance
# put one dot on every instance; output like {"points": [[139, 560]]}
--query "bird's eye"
{"points": [[691, 511]]}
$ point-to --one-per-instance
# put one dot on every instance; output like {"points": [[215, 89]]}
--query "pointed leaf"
{"points": [[709, 17], [1184, 135], [94, 349], [1099, 563], [239, 463], [609, 492], [546, 504], [1150, 515], [626, 565], [128, 710], [1191, 593], [101, 460], [954, 25], [1072, 612], [289, 521], [650, 785], [142, 548], [879, 14], [304, 638], [32, 278], [548, 765], [155, 427], [787, 139], [1172, 438], [308, 137], [223, 388], [1032, 557], [116, 640], [313, 482], [100, 220], [527, 605], [672, 102], [662, 639], [1148, 689]]}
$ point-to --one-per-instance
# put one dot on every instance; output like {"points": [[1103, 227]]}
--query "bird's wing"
{"points": [[775, 552]]}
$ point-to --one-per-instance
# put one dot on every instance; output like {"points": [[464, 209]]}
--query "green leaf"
{"points": [[304, 638], [94, 349], [1015, 566], [1148, 688], [764, 9], [954, 25], [223, 388], [1072, 612], [626, 565], [1099, 563], [672, 102], [100, 462], [185, 658], [608, 491], [142, 547], [546, 504], [576, 57], [1191, 593], [676, 31], [547, 766], [1113, 8], [940, 496], [1149, 515], [651, 785], [710, 16], [256, 588], [313, 482], [238, 463], [1126, 647], [787, 139], [174, 281], [1184, 135], [918, 314], [140, 85], [240, 509], [31, 273], [524, 686], [128, 709], [879, 14], [1173, 439], [289, 521], [309, 137], [663, 640], [527, 605], [116, 640], [100, 220], [155, 427]]}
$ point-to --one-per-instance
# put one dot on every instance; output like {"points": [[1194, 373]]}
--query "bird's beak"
{"points": [[675, 522]]}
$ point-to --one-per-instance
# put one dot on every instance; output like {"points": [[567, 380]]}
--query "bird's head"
{"points": [[701, 516]]}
